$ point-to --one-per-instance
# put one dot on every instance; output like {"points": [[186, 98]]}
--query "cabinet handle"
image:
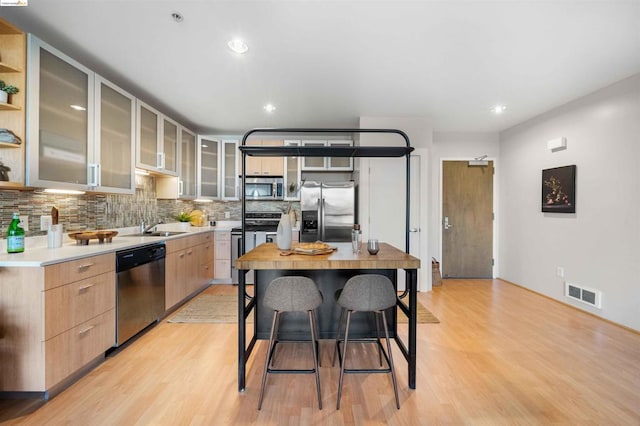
{"points": [[85, 266], [85, 288], [181, 255], [180, 187], [85, 331], [160, 160], [189, 252], [94, 175]]}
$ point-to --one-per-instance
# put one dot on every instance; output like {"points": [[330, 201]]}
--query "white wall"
{"points": [[381, 193], [456, 146], [599, 245]]}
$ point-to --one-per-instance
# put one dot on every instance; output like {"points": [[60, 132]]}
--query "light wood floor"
{"points": [[500, 355]]}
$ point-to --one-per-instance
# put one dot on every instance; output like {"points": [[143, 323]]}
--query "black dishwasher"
{"points": [[139, 289]]}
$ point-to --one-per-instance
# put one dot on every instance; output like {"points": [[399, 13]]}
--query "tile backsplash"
{"points": [[107, 211]]}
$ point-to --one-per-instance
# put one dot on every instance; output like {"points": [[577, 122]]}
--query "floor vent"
{"points": [[584, 294]]}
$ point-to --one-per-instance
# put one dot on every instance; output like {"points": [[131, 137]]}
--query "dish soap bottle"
{"points": [[15, 236]]}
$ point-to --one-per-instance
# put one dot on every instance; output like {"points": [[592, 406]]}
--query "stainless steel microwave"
{"points": [[264, 188]]}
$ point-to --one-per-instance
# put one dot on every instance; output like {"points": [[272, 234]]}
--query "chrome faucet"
{"points": [[147, 229]]}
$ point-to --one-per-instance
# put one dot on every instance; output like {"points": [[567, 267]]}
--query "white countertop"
{"points": [[37, 254]]}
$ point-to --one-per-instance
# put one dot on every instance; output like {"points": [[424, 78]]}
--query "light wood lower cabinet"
{"points": [[54, 321], [188, 266], [222, 255], [69, 351]]}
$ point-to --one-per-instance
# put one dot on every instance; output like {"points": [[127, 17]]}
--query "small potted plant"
{"points": [[184, 218], [6, 90]]}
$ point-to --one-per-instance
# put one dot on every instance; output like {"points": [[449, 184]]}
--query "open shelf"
{"points": [[326, 151], [9, 107], [8, 68], [10, 145]]}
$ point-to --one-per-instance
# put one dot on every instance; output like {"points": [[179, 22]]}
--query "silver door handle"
{"points": [[446, 223], [414, 230]]}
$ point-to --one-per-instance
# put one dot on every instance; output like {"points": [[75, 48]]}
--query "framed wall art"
{"points": [[559, 190]]}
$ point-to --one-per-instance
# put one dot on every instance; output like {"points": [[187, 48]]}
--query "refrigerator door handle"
{"points": [[319, 220], [321, 224]]}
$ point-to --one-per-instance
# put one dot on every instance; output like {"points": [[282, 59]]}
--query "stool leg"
{"points": [[335, 350], [314, 349], [317, 341], [344, 358], [375, 318], [393, 370], [268, 357]]}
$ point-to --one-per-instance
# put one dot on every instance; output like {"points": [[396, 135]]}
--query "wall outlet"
{"points": [[560, 271], [227, 215], [45, 222], [24, 222]]}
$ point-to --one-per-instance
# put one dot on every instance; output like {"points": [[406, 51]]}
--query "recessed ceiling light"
{"points": [[269, 108], [238, 46], [498, 109], [177, 16], [78, 107]]}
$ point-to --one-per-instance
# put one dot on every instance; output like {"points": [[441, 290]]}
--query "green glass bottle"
{"points": [[15, 236]]}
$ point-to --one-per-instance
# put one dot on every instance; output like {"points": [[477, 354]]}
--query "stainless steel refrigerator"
{"points": [[328, 211]]}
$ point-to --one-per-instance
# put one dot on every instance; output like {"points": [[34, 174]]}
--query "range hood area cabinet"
{"points": [[263, 166], [13, 62]]}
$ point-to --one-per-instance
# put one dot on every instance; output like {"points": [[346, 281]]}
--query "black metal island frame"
{"points": [[248, 303]]}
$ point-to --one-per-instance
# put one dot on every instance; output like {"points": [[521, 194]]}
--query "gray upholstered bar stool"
{"points": [[367, 293], [292, 294]]}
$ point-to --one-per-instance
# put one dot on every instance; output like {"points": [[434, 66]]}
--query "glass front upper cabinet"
{"points": [[112, 169], [209, 171], [148, 155], [60, 117], [229, 171], [169, 146], [292, 174], [188, 164]]}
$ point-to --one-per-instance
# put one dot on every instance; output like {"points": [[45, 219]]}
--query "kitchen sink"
{"points": [[159, 234]]}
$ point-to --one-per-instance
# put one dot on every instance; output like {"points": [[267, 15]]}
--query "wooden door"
{"points": [[467, 220]]}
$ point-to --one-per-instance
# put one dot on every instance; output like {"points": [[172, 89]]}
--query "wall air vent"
{"points": [[585, 295]]}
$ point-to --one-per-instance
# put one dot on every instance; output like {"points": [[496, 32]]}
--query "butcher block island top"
{"points": [[268, 256]]}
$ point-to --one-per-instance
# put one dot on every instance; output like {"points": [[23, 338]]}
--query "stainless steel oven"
{"points": [[254, 239], [264, 188], [260, 227]]}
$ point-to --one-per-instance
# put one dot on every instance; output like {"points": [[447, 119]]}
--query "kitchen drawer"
{"points": [[205, 237], [223, 250], [72, 304], [75, 270], [222, 236], [222, 269], [178, 244], [73, 349], [207, 251]]}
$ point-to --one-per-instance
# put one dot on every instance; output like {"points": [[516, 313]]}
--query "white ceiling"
{"points": [[326, 63]]}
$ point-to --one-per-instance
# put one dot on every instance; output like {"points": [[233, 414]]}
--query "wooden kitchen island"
{"points": [[330, 272]]}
